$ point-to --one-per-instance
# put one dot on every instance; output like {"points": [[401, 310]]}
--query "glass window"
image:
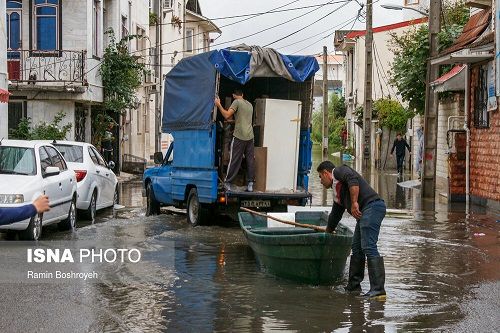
{"points": [[44, 160], [14, 11], [93, 156], [56, 158], [46, 24], [189, 40], [100, 160], [71, 153], [95, 28], [17, 160]]}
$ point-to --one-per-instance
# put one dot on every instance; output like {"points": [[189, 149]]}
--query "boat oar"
{"points": [[309, 226]]}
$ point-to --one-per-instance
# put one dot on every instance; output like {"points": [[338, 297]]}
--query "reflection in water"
{"points": [[431, 263]]}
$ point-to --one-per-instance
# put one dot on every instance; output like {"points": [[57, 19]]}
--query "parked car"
{"points": [[29, 169], [96, 181]]}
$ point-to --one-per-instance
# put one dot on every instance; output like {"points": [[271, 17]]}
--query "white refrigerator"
{"points": [[279, 131]]}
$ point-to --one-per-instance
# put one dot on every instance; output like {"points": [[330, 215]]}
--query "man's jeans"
{"points": [[400, 159], [367, 229]]}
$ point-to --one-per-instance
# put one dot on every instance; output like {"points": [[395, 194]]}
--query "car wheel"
{"points": [[197, 213], [91, 211], [34, 230], [152, 205], [69, 222]]}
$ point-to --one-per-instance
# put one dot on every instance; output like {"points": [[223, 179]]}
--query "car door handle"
{"points": [[97, 171], [107, 174]]}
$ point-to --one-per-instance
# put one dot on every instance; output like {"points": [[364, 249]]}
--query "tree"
{"points": [[336, 115], [411, 51], [41, 131], [391, 114]]}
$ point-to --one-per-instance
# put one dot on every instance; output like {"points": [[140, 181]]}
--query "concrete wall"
{"points": [[4, 119], [451, 106], [44, 111]]}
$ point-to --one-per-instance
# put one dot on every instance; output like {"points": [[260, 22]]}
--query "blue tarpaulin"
{"points": [[190, 85]]}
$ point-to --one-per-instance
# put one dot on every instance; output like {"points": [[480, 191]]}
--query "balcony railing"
{"points": [[58, 66]]}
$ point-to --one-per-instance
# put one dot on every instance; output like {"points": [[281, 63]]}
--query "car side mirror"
{"points": [[158, 157], [111, 165], [52, 171]]}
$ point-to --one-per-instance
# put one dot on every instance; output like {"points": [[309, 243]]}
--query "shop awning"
{"points": [[4, 96]]}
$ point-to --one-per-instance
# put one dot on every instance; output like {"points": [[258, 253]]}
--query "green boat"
{"points": [[300, 254]]}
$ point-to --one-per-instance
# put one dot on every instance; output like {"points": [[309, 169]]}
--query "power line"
{"points": [[307, 26]]}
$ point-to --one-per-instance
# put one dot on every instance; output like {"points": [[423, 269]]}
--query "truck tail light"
{"points": [[222, 199], [80, 175]]}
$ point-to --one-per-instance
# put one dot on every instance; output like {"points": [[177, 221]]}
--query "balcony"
{"points": [[56, 68]]}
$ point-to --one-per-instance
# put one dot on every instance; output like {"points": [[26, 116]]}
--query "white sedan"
{"points": [[29, 169], [97, 183]]}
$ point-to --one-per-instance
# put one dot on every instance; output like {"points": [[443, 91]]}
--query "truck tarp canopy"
{"points": [[190, 85]]}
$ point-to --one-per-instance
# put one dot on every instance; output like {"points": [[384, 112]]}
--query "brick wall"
{"points": [[456, 168], [484, 152]]}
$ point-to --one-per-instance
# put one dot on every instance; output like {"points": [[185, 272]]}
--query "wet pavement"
{"points": [[443, 273]]}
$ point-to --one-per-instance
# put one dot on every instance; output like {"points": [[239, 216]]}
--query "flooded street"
{"points": [[442, 274]]}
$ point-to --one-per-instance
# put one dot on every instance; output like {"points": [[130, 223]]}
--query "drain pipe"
{"points": [[467, 131]]}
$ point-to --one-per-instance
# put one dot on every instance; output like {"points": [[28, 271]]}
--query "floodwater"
{"points": [[442, 274]]}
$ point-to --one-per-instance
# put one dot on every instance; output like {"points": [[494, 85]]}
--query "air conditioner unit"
{"points": [[167, 4]]}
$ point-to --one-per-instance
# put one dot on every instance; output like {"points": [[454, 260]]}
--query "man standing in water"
{"points": [[400, 144], [352, 192]]}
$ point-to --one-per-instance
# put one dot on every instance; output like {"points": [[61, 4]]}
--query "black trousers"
{"points": [[400, 159], [237, 150]]}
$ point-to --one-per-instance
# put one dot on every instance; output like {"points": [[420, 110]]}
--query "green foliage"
{"points": [[391, 114], [153, 18], [411, 51], [43, 130], [100, 123], [336, 121], [121, 74]]}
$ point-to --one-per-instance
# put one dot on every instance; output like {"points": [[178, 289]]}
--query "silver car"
{"points": [[96, 181]]}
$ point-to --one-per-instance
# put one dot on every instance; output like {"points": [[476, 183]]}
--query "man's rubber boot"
{"points": [[376, 273], [356, 274]]}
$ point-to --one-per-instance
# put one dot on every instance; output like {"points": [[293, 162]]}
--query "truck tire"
{"points": [[197, 213], [152, 205]]}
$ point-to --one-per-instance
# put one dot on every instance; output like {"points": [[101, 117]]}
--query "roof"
{"points": [[454, 80], [485, 39], [476, 25], [194, 6], [335, 59], [389, 27], [204, 20]]}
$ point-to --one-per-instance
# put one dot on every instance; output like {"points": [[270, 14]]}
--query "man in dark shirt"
{"points": [[352, 192], [400, 144], [10, 215]]}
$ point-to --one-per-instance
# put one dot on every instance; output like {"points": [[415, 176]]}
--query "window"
{"points": [[140, 45], [17, 160], [189, 40], [71, 153], [411, 2], [481, 116], [179, 9], [16, 112], [95, 28], [46, 24], [167, 4], [93, 156], [56, 158], [14, 14], [100, 160], [44, 160]]}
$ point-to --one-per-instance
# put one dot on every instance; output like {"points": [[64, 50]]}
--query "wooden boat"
{"points": [[296, 253]]}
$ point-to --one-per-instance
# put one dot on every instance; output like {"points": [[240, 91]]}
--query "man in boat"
{"points": [[243, 140], [352, 192]]}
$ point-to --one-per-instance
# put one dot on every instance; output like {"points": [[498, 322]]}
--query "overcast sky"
{"points": [[309, 40]]}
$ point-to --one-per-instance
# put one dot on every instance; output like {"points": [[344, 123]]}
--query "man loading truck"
{"points": [[243, 140]]}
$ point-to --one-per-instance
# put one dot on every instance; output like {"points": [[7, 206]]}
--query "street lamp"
{"points": [[398, 7]]}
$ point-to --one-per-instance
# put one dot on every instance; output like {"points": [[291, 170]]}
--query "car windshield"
{"points": [[17, 161], [71, 153]]}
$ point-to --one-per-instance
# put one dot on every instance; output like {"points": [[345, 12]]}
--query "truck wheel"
{"points": [[197, 214], [153, 206], [34, 230]]}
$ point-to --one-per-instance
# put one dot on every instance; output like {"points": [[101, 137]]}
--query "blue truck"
{"points": [[191, 173]]}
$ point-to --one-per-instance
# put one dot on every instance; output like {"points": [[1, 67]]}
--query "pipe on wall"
{"points": [[467, 130]]}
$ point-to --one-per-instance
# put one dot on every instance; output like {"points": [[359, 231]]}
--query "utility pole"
{"points": [[431, 106], [367, 112], [325, 112]]}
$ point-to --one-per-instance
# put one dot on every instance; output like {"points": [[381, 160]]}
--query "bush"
{"points": [[43, 130]]}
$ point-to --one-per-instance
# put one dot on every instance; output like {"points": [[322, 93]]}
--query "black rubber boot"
{"points": [[376, 273], [356, 273]]}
